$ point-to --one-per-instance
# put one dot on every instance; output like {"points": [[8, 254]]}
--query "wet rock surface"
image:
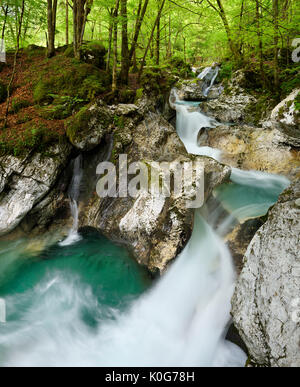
{"points": [[264, 307]]}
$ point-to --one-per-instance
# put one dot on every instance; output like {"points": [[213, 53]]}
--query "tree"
{"points": [[115, 45], [81, 10], [51, 17]]}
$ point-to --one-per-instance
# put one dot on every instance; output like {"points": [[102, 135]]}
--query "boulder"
{"points": [[265, 306], [286, 118], [230, 108], [156, 228], [251, 148], [25, 182], [192, 90]]}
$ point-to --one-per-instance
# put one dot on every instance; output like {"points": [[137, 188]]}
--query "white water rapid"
{"points": [[74, 192]]}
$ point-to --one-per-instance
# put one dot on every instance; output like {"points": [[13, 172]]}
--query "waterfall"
{"points": [[181, 321], [189, 122], [209, 75], [74, 192]]}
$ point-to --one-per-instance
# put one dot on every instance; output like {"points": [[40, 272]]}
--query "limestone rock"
{"points": [[24, 183], [251, 148], [232, 108], [286, 117], [156, 228], [265, 306]]}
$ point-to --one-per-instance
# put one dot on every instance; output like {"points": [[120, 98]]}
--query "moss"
{"points": [[139, 94], [34, 137], [94, 53], [69, 52], [297, 103], [3, 92], [77, 125], [68, 77], [19, 104]]}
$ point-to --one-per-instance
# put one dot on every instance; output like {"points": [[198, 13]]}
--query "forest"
{"points": [[133, 274]]}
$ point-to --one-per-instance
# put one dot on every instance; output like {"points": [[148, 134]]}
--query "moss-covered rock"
{"points": [[67, 77], [87, 128], [93, 53]]}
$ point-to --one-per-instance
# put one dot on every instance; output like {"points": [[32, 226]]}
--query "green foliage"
{"points": [[61, 108], [290, 79], [226, 71]]}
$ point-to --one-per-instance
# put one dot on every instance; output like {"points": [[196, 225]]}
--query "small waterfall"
{"points": [[74, 192], [189, 122], [209, 75]]}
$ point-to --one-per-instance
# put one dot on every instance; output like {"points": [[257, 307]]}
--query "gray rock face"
{"points": [[90, 127], [192, 90], [286, 118], [156, 228], [230, 108], [251, 148], [24, 183], [265, 306]]}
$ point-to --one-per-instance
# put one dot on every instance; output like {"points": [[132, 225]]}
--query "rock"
{"points": [[265, 306], [191, 90], [156, 228], [232, 108], [89, 126], [93, 53], [286, 117], [252, 148], [24, 183], [215, 92]]}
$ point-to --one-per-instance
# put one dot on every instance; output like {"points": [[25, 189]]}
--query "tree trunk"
{"points": [[276, 40], [151, 37], [158, 43], [15, 62], [67, 22], [260, 43], [115, 45], [111, 26], [125, 51], [51, 18], [81, 10], [223, 16], [4, 22]]}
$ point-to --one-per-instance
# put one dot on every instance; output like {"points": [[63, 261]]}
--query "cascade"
{"points": [[74, 192]]}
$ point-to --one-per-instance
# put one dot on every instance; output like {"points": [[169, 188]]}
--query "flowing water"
{"points": [[85, 302], [74, 193]]}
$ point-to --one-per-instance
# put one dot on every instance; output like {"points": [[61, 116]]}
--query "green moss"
{"points": [[68, 77], [69, 52], [77, 125], [61, 108], [19, 104], [297, 103], [139, 94], [34, 137], [94, 53]]}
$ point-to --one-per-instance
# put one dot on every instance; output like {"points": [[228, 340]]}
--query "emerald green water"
{"points": [[250, 194], [63, 289]]}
